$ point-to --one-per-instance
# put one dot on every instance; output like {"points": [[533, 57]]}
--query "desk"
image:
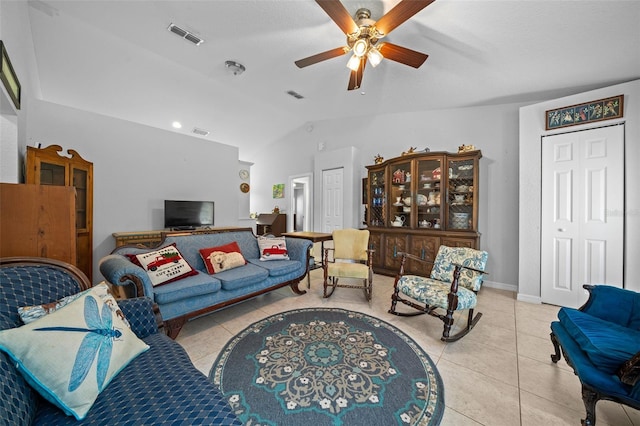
{"points": [[316, 237]]}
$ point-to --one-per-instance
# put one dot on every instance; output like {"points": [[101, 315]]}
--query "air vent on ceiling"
{"points": [[200, 132], [185, 34], [295, 94]]}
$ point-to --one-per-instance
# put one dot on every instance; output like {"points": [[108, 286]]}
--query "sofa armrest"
{"points": [[142, 314], [298, 249], [118, 270], [629, 373]]}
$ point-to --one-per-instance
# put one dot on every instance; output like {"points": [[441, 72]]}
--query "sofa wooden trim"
{"points": [[65, 267]]}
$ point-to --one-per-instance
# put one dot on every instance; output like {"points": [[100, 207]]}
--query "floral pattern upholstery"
{"points": [[443, 266], [434, 291]]}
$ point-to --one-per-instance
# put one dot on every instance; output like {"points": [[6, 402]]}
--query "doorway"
{"points": [[582, 235], [300, 203]]}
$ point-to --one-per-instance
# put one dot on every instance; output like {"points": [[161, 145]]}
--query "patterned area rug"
{"points": [[328, 367]]}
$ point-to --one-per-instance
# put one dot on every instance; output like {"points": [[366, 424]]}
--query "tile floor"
{"points": [[499, 374]]}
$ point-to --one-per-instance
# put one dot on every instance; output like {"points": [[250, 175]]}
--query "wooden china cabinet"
{"points": [[47, 166], [418, 202]]}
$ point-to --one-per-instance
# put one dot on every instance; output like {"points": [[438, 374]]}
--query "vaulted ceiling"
{"points": [[117, 58]]}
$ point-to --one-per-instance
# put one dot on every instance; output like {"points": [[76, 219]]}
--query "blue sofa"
{"points": [[601, 342], [160, 386], [202, 293]]}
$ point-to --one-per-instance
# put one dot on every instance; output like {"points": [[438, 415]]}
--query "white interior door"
{"points": [[582, 213], [332, 203]]}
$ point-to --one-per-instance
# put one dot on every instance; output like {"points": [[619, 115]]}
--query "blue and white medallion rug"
{"points": [[328, 367]]}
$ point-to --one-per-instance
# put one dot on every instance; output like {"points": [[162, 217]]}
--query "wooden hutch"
{"points": [[47, 166], [419, 201]]}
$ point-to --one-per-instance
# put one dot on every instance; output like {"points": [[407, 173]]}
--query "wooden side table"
{"points": [[315, 237]]}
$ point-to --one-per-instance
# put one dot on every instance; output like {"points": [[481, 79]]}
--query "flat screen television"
{"points": [[188, 214]]}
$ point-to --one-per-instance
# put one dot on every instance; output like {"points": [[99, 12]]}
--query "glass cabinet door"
{"points": [[401, 196], [462, 190], [80, 179], [428, 198], [52, 174], [377, 198]]}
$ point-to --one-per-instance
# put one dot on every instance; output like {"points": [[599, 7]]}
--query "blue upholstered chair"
{"points": [[351, 259], [601, 342], [455, 279], [160, 386]]}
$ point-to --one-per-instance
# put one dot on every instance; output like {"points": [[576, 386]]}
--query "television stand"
{"points": [[184, 228]]}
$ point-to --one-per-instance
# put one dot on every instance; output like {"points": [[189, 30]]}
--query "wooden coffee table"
{"points": [[316, 237]]}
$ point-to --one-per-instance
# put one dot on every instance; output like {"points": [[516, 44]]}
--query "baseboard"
{"points": [[529, 299], [500, 286]]}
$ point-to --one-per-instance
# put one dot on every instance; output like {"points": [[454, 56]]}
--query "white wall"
{"points": [[16, 35], [136, 168], [493, 129], [9, 162], [532, 128]]}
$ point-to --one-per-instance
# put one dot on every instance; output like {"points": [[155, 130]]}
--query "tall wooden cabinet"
{"points": [[417, 202], [47, 166], [37, 220]]}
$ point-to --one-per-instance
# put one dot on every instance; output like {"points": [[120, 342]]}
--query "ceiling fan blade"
{"points": [[400, 13], [402, 54], [355, 79], [314, 59], [339, 15]]}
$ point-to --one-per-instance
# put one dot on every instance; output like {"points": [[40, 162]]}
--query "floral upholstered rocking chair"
{"points": [[456, 278]]}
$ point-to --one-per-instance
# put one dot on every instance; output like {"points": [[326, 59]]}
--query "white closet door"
{"points": [[582, 213]]}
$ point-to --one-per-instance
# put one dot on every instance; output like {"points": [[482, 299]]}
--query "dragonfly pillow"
{"points": [[69, 356], [31, 313]]}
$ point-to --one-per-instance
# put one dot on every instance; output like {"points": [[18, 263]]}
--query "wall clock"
{"points": [[244, 174], [244, 187]]}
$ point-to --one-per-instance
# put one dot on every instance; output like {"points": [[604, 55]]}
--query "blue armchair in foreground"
{"points": [[158, 386], [601, 342]]}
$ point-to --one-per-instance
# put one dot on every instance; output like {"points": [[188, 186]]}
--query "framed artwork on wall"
{"points": [[8, 77], [278, 190], [572, 115]]}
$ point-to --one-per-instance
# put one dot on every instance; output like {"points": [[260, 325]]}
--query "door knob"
{"points": [[561, 229]]}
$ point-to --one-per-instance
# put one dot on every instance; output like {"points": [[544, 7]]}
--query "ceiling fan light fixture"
{"points": [[374, 56], [360, 47], [354, 63]]}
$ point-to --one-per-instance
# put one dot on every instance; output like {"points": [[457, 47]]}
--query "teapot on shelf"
{"points": [[399, 221]]}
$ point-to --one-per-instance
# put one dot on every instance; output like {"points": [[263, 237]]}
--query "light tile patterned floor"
{"points": [[499, 374]]}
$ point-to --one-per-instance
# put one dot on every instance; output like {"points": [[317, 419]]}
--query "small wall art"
{"points": [[8, 77], [602, 109], [278, 190]]}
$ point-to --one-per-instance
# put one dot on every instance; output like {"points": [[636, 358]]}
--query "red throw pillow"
{"points": [[163, 265], [222, 258]]}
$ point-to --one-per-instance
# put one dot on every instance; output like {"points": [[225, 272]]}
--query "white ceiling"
{"points": [[117, 58]]}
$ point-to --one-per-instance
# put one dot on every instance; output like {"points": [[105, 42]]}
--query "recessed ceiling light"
{"points": [[176, 125]]}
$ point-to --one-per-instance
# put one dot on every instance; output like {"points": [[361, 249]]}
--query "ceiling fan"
{"points": [[364, 38]]}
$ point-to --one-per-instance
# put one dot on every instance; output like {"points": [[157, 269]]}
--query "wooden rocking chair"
{"points": [[455, 279]]}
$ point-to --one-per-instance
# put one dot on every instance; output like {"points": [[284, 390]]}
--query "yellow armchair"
{"points": [[350, 258]]}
